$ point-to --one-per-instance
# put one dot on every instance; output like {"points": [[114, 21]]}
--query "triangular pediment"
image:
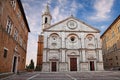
{"points": [[71, 24]]}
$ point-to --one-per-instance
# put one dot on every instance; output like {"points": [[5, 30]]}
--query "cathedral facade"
{"points": [[70, 45]]}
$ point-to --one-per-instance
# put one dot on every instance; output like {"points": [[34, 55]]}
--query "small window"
{"points": [[5, 53], [9, 26], [45, 19], [113, 34], [21, 41], [116, 57], [15, 34], [119, 29], [13, 3], [115, 47], [18, 58], [72, 39], [117, 64], [23, 60]]}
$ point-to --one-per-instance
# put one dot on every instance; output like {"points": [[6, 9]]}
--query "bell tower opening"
{"points": [[45, 20]]}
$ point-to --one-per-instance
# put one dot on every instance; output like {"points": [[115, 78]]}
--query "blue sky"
{"points": [[97, 13]]}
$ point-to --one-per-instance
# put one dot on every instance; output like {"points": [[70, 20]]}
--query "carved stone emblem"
{"points": [[72, 24]]}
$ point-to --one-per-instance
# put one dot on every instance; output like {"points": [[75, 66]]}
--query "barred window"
{"points": [[15, 34], [9, 26], [13, 3]]}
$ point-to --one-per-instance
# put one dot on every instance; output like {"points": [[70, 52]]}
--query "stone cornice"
{"points": [[70, 31], [73, 49]]}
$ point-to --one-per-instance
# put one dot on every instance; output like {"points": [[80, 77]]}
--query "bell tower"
{"points": [[46, 18]]}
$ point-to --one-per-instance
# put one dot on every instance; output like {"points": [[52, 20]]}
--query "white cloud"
{"points": [[60, 11], [103, 27], [102, 10], [56, 13]]}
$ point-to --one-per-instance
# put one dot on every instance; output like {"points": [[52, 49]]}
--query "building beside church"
{"points": [[111, 45], [69, 45], [40, 52], [13, 36]]}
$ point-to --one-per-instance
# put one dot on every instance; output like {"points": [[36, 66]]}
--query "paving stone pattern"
{"points": [[94, 75]]}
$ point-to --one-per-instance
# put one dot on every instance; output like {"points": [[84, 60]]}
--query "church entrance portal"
{"points": [[54, 66], [73, 64], [92, 66]]}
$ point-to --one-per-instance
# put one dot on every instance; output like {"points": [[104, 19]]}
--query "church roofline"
{"points": [[73, 18]]}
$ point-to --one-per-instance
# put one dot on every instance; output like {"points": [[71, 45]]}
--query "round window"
{"points": [[72, 39]]}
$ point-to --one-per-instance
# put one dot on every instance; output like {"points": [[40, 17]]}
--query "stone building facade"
{"points": [[70, 45], [111, 45], [13, 36]]}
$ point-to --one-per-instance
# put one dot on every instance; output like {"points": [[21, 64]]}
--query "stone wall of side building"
{"points": [[111, 45], [13, 36]]}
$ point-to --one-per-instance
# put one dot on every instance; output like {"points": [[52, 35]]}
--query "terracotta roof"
{"points": [[111, 25], [23, 13], [75, 19]]}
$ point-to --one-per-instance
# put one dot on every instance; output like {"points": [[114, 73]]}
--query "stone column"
{"points": [[100, 56], [44, 55], [83, 56], [63, 56], [83, 41], [63, 39], [45, 40]]}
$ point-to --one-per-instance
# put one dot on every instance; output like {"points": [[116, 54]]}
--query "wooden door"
{"points": [[73, 64], [54, 66], [92, 68]]}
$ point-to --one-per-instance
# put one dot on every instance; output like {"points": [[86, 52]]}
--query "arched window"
{"points": [[73, 38], [45, 19], [90, 37], [54, 37], [90, 41]]}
